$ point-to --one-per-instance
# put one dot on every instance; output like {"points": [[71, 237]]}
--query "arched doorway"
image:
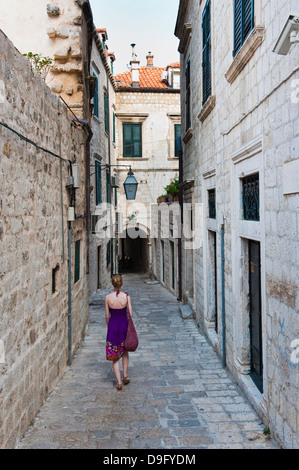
{"points": [[133, 251]]}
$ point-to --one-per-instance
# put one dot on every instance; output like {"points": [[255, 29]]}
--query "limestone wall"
{"points": [[103, 151], [51, 29], [158, 113], [33, 241], [253, 127]]}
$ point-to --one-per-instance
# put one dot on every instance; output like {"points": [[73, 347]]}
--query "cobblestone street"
{"points": [[179, 396]]}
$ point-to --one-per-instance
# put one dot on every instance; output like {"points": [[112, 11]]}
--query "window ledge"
{"points": [[137, 159], [207, 108], [188, 135], [97, 119], [249, 47]]}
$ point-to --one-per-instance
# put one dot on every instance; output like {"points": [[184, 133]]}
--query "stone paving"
{"points": [[180, 397]]}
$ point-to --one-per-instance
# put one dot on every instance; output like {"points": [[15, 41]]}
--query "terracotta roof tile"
{"points": [[149, 77]]}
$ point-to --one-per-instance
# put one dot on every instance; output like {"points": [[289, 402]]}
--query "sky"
{"points": [[149, 24]]}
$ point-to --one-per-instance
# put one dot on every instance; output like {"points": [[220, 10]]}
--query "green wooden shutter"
{"points": [[237, 25], [108, 186], [98, 177], [77, 261], [243, 22], [106, 111], [137, 140], [108, 254], [248, 15], [132, 140], [96, 97], [206, 52], [177, 135], [127, 138], [188, 94], [113, 127]]}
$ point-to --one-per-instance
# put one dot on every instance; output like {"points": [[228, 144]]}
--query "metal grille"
{"points": [[251, 198], [212, 203]]}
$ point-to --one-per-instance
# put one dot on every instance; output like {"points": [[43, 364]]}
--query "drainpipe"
{"points": [[181, 219], [223, 295], [69, 295]]}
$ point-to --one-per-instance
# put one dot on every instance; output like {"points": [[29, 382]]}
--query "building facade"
{"points": [[240, 167], [45, 157], [147, 122], [43, 242], [103, 158]]}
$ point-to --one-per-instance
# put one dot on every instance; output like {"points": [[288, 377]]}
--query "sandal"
{"points": [[119, 386], [126, 380]]}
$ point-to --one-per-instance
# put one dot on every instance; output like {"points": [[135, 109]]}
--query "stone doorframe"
{"points": [[210, 225], [246, 161]]}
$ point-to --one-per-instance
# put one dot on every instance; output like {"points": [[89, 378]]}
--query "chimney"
{"points": [[150, 60], [135, 68]]}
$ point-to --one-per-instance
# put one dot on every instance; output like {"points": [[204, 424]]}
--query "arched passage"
{"points": [[133, 251]]}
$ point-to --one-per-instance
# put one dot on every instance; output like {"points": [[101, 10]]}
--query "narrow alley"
{"points": [[179, 395]]}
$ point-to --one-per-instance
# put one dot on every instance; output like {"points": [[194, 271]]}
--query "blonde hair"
{"points": [[117, 281]]}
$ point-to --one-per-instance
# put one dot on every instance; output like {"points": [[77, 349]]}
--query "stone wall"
{"points": [[33, 242], [53, 29], [158, 112], [164, 246], [103, 151], [251, 125]]}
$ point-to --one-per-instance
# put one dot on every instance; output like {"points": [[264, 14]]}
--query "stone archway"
{"points": [[133, 250]]}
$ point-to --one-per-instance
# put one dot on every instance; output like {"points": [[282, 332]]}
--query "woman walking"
{"points": [[116, 305]]}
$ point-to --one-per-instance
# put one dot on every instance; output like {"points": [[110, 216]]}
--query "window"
{"points": [[106, 111], [96, 97], [250, 197], [188, 96], [212, 203], [243, 22], [77, 261], [108, 186], [132, 140], [98, 178], [206, 52], [54, 279], [177, 135], [115, 197]]}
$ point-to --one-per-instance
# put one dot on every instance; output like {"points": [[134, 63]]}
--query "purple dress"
{"points": [[116, 334]]}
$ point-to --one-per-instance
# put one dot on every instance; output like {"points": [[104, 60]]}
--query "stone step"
{"points": [[186, 311]]}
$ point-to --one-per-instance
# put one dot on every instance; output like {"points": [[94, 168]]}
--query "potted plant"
{"points": [[173, 190], [162, 198]]}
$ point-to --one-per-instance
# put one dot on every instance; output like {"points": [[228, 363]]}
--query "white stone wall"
{"points": [[253, 127], [158, 165], [33, 241], [103, 149]]}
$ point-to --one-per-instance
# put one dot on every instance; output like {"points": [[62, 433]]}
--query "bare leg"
{"points": [[116, 370], [125, 363]]}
